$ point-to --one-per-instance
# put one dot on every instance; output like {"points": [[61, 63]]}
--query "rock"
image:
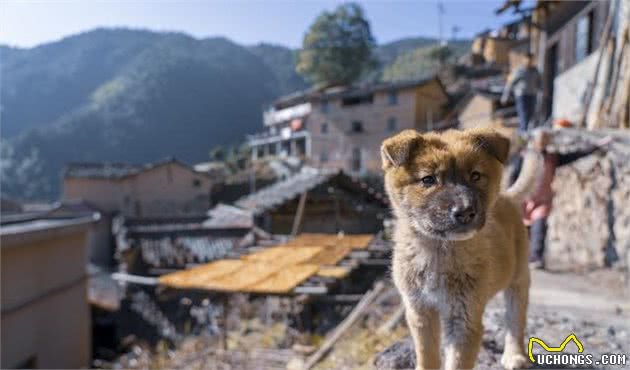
{"points": [[400, 355], [579, 230], [589, 226]]}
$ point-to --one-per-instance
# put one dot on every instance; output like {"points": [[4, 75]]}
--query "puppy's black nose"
{"points": [[463, 215]]}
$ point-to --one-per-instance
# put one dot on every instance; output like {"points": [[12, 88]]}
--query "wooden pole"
{"points": [[390, 324], [590, 88], [297, 221], [345, 325], [224, 339]]}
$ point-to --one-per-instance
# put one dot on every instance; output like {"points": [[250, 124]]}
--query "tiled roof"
{"points": [[344, 91], [282, 191], [106, 170], [226, 216], [241, 213], [101, 170], [180, 251]]}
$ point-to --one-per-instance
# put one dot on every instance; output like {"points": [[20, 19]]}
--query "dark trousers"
{"points": [[525, 108], [538, 230], [516, 162], [537, 236]]}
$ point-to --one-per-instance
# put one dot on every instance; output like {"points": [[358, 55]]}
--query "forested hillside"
{"points": [[137, 96]]}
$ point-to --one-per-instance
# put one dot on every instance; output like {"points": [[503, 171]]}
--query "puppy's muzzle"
{"points": [[463, 215]]}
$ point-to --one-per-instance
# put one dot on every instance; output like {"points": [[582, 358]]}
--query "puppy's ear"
{"points": [[493, 143], [395, 151]]}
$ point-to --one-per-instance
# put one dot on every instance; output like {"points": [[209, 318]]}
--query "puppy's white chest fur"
{"points": [[431, 279]]}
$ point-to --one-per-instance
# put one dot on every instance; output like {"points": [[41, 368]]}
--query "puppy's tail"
{"points": [[531, 173]]}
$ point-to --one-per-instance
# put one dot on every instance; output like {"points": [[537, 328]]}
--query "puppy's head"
{"points": [[443, 184]]}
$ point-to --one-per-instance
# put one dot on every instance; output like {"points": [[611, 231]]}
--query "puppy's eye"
{"points": [[475, 176], [428, 180]]}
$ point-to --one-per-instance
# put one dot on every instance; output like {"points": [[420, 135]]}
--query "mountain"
{"points": [[121, 95], [405, 61], [281, 61], [135, 96]]}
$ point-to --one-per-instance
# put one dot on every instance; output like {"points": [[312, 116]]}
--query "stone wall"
{"points": [[589, 226]]}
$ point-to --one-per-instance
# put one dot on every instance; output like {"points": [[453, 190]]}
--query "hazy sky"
{"points": [[27, 23]]}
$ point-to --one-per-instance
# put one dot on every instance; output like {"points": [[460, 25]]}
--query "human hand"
{"points": [[604, 141], [541, 140]]}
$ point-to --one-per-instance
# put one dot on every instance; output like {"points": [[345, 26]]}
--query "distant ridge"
{"points": [[124, 95]]}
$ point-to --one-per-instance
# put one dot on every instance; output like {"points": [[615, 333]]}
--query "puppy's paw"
{"points": [[511, 361]]}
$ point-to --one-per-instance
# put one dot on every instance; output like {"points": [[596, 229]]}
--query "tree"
{"points": [[217, 153], [441, 53], [337, 49]]}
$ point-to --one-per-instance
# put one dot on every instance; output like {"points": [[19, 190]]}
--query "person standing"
{"points": [[537, 206], [524, 83]]}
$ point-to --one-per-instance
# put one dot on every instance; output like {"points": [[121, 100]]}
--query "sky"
{"points": [[26, 23]]}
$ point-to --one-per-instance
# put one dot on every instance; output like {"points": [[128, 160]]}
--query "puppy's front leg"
{"points": [[424, 325], [462, 336], [516, 299]]}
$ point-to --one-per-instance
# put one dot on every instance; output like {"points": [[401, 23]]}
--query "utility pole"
{"points": [[454, 31], [440, 7]]}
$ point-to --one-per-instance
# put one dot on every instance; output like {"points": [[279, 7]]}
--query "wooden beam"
{"points": [[360, 254], [341, 298], [134, 279], [224, 337], [390, 324], [311, 290], [345, 325], [297, 221], [377, 262], [592, 84]]}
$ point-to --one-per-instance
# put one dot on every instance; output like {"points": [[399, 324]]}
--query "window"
{"points": [[357, 127], [356, 160], [196, 183], [358, 99], [323, 156], [324, 106], [392, 124], [392, 98], [584, 37], [324, 128]]}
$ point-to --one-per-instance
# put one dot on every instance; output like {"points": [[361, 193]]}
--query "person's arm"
{"points": [[507, 89], [568, 158]]}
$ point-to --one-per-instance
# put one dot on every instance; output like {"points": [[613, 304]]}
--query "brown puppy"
{"points": [[458, 241]]}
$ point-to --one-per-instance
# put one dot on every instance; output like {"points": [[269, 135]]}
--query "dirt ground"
{"points": [[595, 306]]}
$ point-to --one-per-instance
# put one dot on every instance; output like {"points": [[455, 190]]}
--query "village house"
{"points": [[313, 201], [586, 56], [502, 47], [45, 309], [167, 187], [343, 127], [481, 108], [581, 51]]}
